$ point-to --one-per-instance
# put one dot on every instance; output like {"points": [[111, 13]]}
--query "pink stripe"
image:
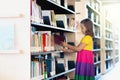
{"points": [[85, 56]]}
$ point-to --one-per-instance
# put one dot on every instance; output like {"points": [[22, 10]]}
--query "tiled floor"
{"points": [[113, 74]]}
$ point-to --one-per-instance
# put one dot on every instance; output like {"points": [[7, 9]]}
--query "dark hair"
{"points": [[89, 26]]}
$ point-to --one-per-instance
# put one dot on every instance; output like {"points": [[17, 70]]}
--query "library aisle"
{"points": [[113, 74]]}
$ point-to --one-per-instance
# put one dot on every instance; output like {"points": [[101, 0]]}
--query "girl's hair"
{"points": [[89, 26]]}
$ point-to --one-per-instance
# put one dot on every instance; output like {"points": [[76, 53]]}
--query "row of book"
{"points": [[97, 57], [43, 41], [66, 3], [108, 54], [37, 68], [61, 2], [117, 52], [50, 66], [116, 45], [109, 64], [94, 4], [49, 17], [42, 65], [108, 44], [96, 44], [116, 59], [96, 31], [108, 25], [97, 69], [93, 16], [108, 35]]}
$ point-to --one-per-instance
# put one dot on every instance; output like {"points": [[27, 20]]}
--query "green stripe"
{"points": [[77, 77]]}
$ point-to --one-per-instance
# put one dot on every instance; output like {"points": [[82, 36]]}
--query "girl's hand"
{"points": [[63, 49], [64, 44]]}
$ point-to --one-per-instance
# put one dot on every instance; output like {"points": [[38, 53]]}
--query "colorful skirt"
{"points": [[84, 65]]}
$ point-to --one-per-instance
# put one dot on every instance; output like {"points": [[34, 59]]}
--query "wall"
{"points": [[16, 65]]}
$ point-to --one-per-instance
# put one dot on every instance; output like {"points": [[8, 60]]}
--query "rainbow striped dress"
{"points": [[85, 61]]}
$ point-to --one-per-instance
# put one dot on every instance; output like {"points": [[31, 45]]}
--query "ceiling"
{"points": [[110, 1]]}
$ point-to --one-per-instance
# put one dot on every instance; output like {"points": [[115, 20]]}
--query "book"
{"points": [[61, 19], [63, 3], [60, 24], [71, 43], [58, 39], [71, 22], [49, 64], [36, 13], [60, 68], [49, 17], [71, 64], [35, 68], [71, 7], [46, 20], [42, 41], [46, 14], [46, 40]]}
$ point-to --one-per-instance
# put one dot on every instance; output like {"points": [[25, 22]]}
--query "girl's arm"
{"points": [[68, 50], [74, 48]]}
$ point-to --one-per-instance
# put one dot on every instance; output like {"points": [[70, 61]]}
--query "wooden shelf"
{"points": [[109, 30], [97, 37], [35, 49], [116, 56], [51, 5], [61, 74], [38, 77], [44, 27], [108, 39], [54, 76], [109, 59], [107, 70], [45, 53], [98, 62], [96, 50], [116, 41], [98, 76], [98, 25], [108, 48]]}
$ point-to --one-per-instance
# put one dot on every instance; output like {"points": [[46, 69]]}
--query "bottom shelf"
{"points": [[57, 75], [53, 76], [38, 77], [107, 70], [98, 76]]}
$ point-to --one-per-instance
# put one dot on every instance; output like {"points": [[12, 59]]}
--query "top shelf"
{"points": [[92, 9], [51, 5], [49, 27]]}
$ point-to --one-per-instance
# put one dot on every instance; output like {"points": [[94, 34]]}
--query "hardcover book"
{"points": [[58, 39]]}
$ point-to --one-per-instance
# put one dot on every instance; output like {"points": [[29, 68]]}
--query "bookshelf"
{"points": [[43, 58], [61, 74], [49, 27], [116, 45], [108, 45], [58, 8], [109, 42], [91, 9], [10, 64], [103, 34], [94, 13]]}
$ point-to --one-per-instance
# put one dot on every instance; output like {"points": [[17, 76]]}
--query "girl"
{"points": [[84, 69]]}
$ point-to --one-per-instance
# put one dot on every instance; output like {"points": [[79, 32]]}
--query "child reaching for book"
{"points": [[84, 69]]}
